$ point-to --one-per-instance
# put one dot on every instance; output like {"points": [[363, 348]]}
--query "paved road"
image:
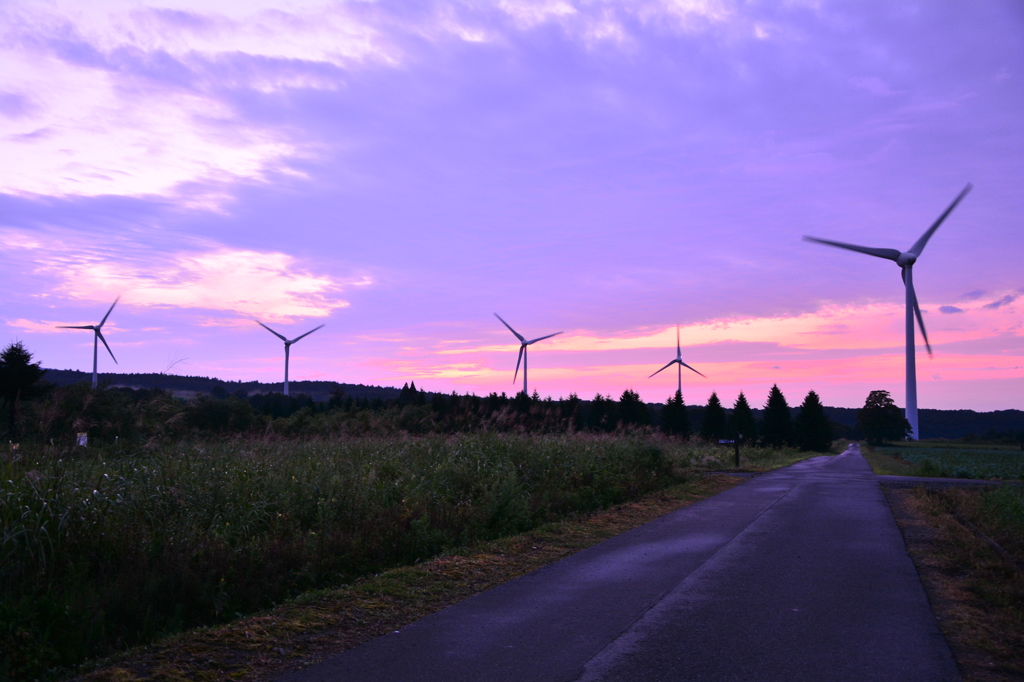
{"points": [[798, 574]]}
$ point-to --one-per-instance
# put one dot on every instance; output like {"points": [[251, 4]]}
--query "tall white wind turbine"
{"points": [[906, 260], [96, 338], [678, 361], [287, 347], [522, 350]]}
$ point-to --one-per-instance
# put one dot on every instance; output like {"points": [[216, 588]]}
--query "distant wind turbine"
{"points": [[906, 260], [522, 350], [97, 336], [287, 347], [678, 361]]}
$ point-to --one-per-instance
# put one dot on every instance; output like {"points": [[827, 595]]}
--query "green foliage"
{"points": [[103, 551], [713, 426], [741, 421], [880, 420], [813, 430], [960, 462], [675, 421], [777, 424]]}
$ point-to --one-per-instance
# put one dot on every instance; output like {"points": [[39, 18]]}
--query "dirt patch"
{"points": [[318, 625], [976, 594]]}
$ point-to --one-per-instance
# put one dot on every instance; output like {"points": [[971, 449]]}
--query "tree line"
{"points": [[36, 411]]}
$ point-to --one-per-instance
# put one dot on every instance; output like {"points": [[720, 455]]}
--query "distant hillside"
{"points": [[188, 386], [934, 423]]}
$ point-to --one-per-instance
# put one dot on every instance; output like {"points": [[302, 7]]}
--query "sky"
{"points": [[400, 171]]}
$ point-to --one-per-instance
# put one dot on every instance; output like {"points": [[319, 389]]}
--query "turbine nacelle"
{"points": [[905, 259]]}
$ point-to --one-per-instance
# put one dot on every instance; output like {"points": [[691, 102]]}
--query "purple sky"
{"points": [[402, 170]]}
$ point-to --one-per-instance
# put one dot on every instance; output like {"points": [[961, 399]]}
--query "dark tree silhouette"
{"points": [[714, 425], [19, 380], [675, 421], [632, 410], [777, 425], [741, 421], [880, 420], [813, 431]]}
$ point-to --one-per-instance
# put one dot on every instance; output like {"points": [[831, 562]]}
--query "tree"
{"points": [[713, 426], [632, 410], [19, 378], [880, 420], [813, 430], [741, 421], [777, 425], [674, 419]]}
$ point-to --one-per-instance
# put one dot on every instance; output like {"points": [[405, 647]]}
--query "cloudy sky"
{"points": [[402, 170]]}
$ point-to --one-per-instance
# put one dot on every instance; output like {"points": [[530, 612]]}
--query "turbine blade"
{"points": [[518, 335], [88, 326], [521, 349], [919, 245], [888, 254], [920, 320], [271, 330], [108, 313], [690, 368], [679, 349], [100, 334], [308, 333], [542, 338], [664, 368]]}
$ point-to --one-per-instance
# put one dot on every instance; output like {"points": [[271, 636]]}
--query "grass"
{"points": [[916, 459], [976, 590], [321, 623], [104, 550]]}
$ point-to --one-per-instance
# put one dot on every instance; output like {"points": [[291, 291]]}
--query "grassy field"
{"points": [[104, 549], [968, 545], [948, 460]]}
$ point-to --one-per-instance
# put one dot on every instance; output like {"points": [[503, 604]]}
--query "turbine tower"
{"points": [[97, 337], [287, 348], [678, 361], [906, 260], [522, 350]]}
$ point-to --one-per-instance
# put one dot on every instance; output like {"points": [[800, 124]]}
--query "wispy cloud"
{"points": [[950, 309], [1004, 301]]}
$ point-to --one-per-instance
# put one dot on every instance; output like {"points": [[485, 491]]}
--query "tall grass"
{"points": [[103, 549]]}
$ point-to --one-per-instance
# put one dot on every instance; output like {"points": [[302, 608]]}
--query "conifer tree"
{"points": [[813, 431], [675, 421], [777, 425], [880, 420], [714, 424], [19, 378], [632, 410], [741, 421]]}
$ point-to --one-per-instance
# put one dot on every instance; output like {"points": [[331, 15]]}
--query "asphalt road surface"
{"points": [[797, 574]]}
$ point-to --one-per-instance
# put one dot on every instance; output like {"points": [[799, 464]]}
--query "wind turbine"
{"points": [[287, 348], [678, 361], [522, 350], [906, 260], [97, 336]]}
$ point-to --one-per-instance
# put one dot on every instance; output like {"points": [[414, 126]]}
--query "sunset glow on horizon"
{"points": [[607, 169]]}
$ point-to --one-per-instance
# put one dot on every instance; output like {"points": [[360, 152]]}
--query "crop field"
{"points": [[960, 462], [102, 549]]}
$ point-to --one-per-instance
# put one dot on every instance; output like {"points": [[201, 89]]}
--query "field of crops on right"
{"points": [[960, 462]]}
